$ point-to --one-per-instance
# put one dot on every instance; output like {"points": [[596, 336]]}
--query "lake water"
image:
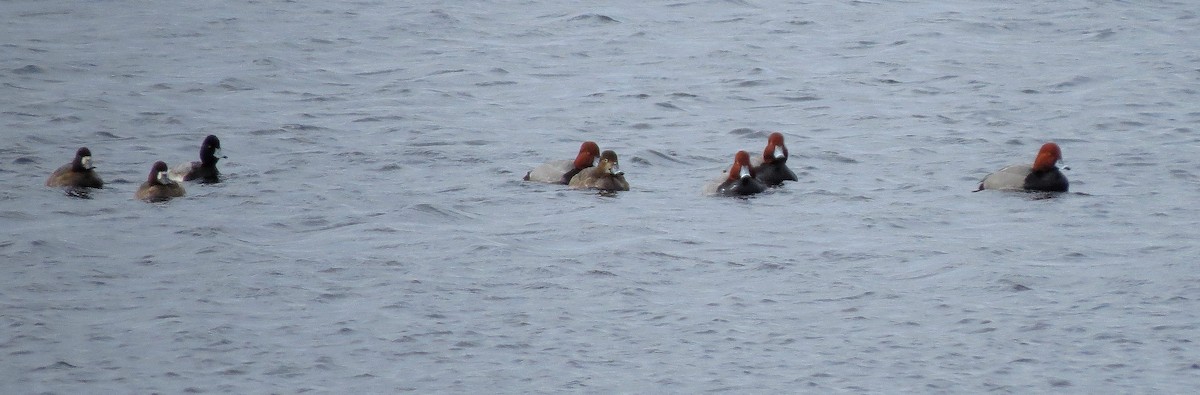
{"points": [[373, 235]]}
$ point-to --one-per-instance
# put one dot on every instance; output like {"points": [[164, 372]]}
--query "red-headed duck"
{"points": [[206, 169], [158, 186], [772, 169], [1043, 175], [739, 181], [78, 174], [561, 171], [606, 175]]}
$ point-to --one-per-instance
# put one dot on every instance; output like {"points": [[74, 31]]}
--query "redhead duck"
{"points": [[561, 171], [158, 186], [1043, 175], [739, 181], [606, 175], [206, 169], [78, 174], [773, 170]]}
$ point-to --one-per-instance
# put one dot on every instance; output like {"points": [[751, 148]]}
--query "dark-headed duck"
{"points": [[78, 174], [1043, 175], [159, 186], [561, 171], [773, 170], [606, 175], [739, 181], [205, 171]]}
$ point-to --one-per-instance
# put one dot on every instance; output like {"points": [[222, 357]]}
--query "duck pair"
{"points": [[584, 172], [748, 177], [162, 184]]}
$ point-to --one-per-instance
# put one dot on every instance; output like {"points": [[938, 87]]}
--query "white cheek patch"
{"points": [[86, 161]]}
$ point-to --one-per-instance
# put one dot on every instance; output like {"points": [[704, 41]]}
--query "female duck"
{"points": [[773, 170], [561, 171], [739, 181], [605, 176], [158, 186], [1043, 175], [206, 169], [78, 174]]}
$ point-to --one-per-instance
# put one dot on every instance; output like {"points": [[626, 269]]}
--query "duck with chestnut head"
{"points": [[1043, 175], [561, 171], [738, 181]]}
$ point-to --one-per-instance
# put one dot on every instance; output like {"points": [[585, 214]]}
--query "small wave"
{"points": [[56, 366], [597, 18], [664, 156], [440, 212], [234, 84], [29, 69], [1080, 80], [495, 83], [800, 98]]}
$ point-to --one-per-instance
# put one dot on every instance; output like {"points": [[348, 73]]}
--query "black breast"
{"points": [[1048, 180]]}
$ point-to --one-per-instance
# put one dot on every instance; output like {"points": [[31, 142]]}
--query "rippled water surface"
{"points": [[372, 234]]}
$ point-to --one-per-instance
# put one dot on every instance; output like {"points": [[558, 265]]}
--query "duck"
{"points": [[561, 171], [738, 181], [206, 169], [605, 176], [1042, 176], [159, 187], [772, 169], [80, 173]]}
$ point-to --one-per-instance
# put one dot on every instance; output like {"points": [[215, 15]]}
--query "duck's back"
{"points": [[551, 172], [66, 176], [1010, 178], [194, 171], [774, 173]]}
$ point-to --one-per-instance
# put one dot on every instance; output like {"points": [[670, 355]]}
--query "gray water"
{"points": [[372, 234]]}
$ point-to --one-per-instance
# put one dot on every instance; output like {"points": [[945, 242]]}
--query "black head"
{"points": [[210, 150], [213, 141], [83, 159]]}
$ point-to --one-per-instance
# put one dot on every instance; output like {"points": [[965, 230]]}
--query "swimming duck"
{"points": [[159, 186], [606, 175], [561, 171], [80, 173], [772, 170], [739, 180], [1043, 175], [206, 169]]}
